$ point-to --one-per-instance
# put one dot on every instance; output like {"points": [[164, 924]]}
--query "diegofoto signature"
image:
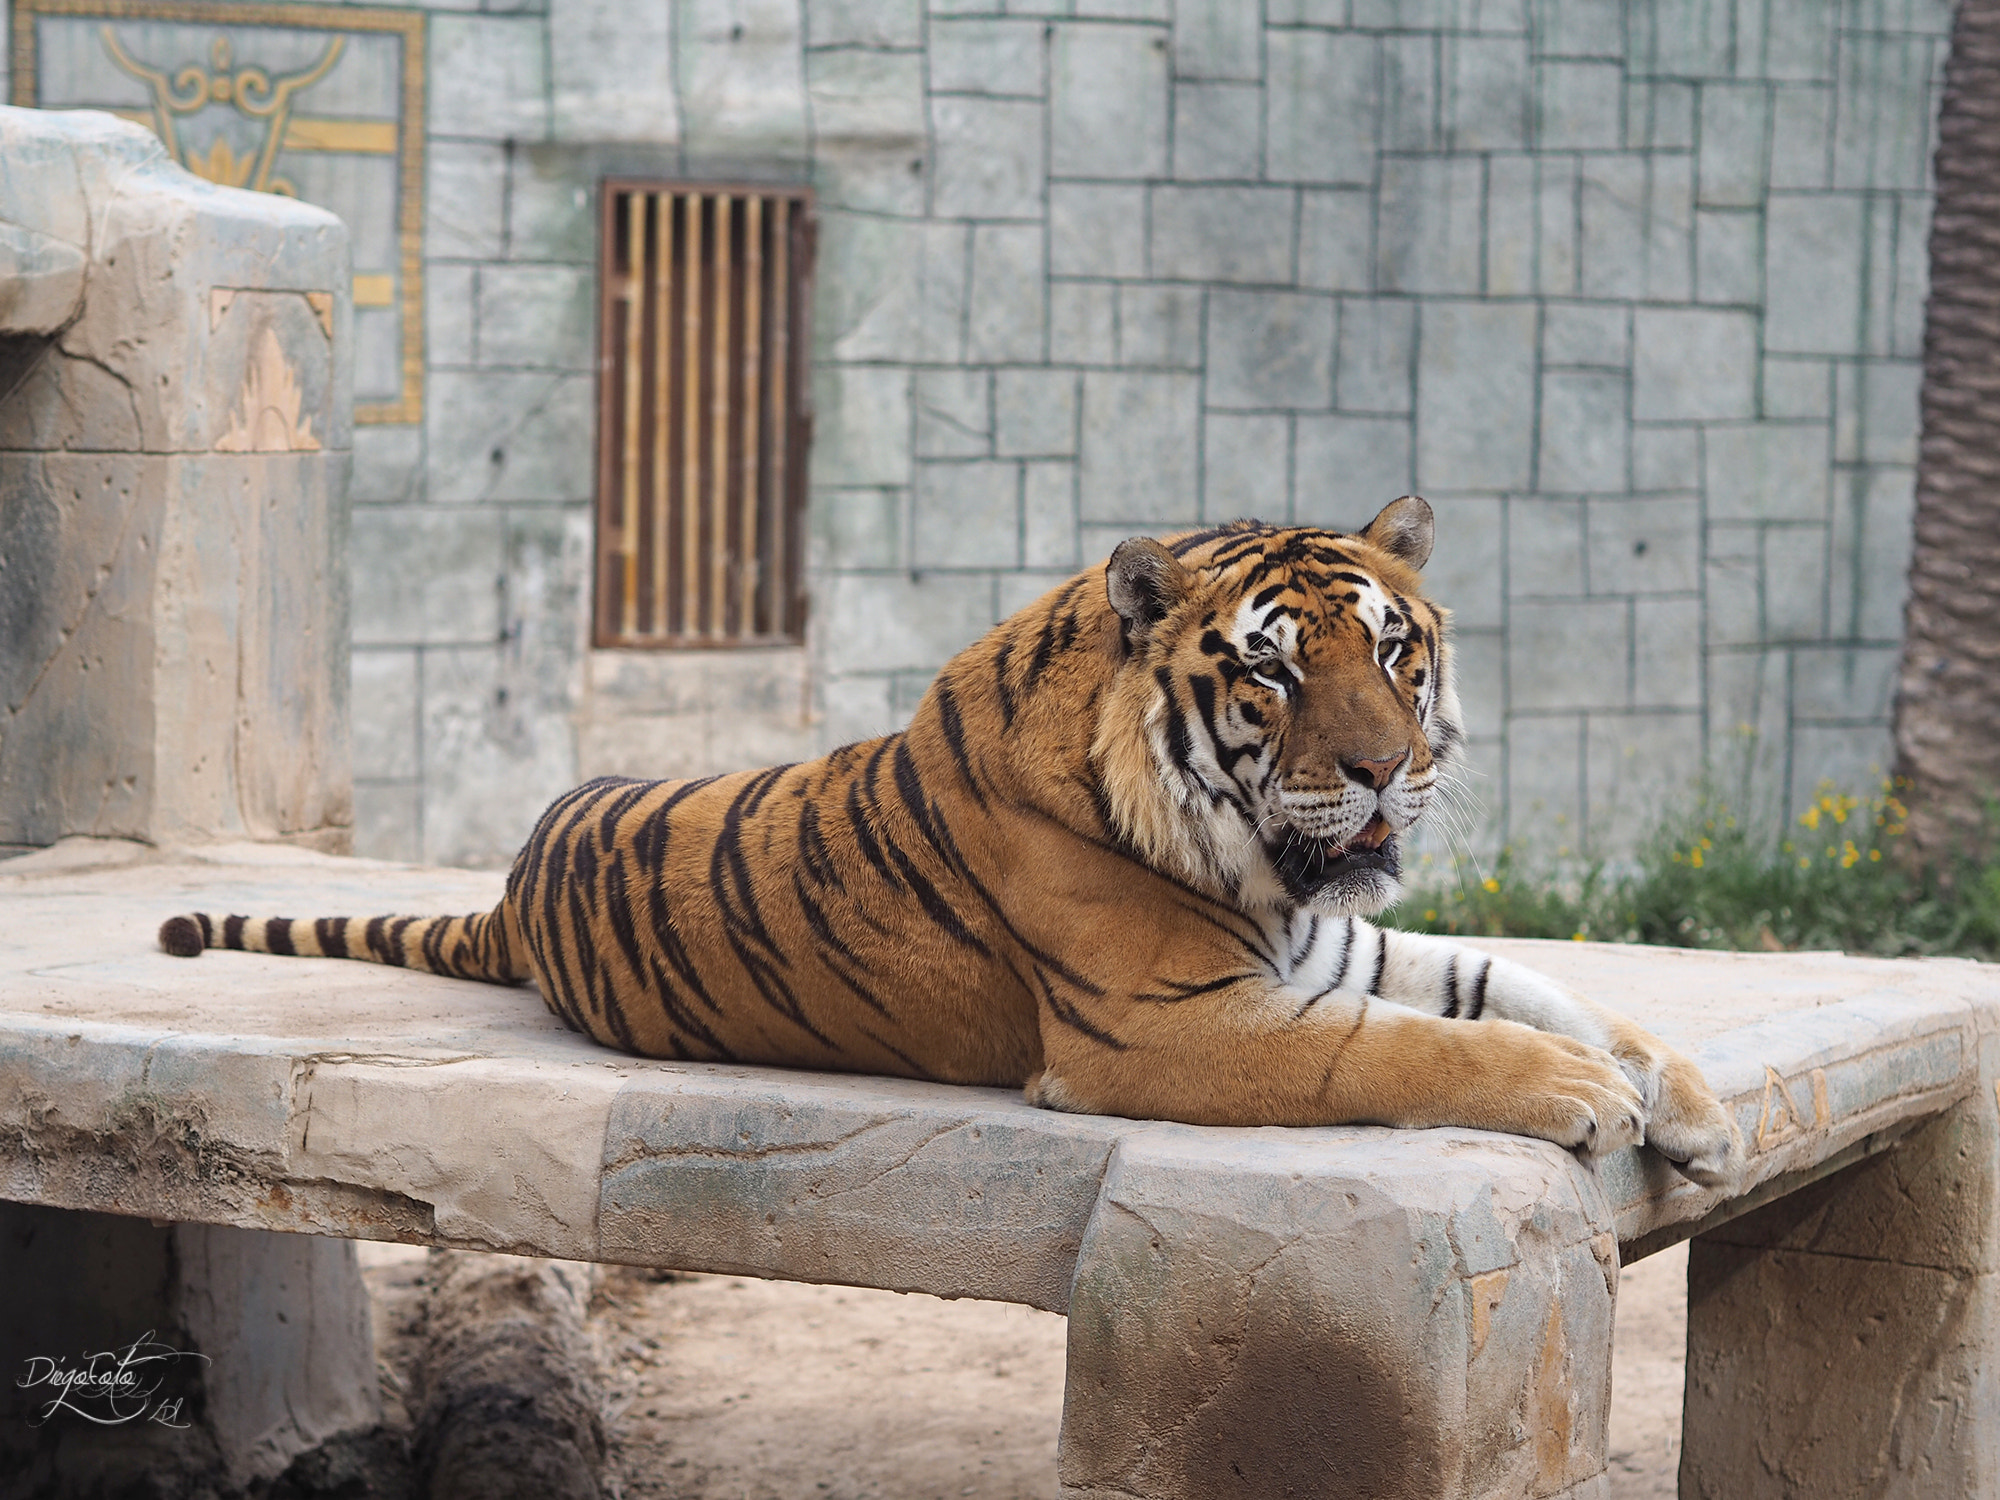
{"points": [[111, 1387]]}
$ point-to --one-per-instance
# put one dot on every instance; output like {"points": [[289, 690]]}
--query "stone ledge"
{"points": [[379, 1104]]}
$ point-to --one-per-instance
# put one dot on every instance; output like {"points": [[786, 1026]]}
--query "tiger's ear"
{"points": [[1405, 529], [1144, 581]]}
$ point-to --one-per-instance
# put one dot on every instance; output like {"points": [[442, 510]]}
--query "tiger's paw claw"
{"points": [[1710, 1152], [1691, 1128], [1588, 1103]]}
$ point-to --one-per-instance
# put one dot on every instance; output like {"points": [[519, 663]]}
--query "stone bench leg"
{"points": [[282, 1319], [1845, 1340], [1340, 1313]]}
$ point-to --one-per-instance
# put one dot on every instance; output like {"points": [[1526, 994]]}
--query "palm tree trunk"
{"points": [[1948, 694]]}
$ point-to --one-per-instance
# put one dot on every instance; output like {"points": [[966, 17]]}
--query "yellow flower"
{"points": [[1805, 863], [1576, 937], [1810, 817], [1492, 886], [1694, 856], [1874, 856], [1430, 914]]}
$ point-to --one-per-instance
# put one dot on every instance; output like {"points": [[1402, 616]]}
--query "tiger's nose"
{"points": [[1375, 773]]}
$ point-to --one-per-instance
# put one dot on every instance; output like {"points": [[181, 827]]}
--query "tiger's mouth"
{"points": [[1312, 867]]}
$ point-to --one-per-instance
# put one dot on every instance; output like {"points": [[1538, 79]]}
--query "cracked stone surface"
{"points": [[1449, 1291], [174, 448]]}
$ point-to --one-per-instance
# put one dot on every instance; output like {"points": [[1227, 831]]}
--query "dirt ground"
{"points": [[1649, 1357], [721, 1388]]}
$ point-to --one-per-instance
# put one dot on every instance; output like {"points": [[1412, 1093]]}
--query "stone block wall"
{"points": [[1633, 293]]}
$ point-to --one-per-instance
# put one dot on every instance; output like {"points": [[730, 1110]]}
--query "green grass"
{"points": [[1706, 879]]}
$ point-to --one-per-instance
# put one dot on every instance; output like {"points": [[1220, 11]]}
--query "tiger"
{"points": [[1122, 857]]}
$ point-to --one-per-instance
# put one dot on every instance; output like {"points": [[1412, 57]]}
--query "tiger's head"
{"points": [[1282, 710]]}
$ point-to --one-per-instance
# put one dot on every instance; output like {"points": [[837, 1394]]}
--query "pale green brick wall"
{"points": [[1633, 293], [1636, 300]]}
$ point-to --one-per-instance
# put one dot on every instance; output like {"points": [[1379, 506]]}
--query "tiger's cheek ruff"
{"points": [[1188, 749], [1443, 719]]}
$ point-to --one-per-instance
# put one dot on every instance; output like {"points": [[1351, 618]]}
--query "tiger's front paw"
{"points": [[1581, 1098], [1691, 1129]]}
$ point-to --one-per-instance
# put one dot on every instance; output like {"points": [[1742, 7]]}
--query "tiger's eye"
{"points": [[1272, 673]]}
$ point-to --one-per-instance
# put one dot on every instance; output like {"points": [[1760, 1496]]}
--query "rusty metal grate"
{"points": [[702, 414]]}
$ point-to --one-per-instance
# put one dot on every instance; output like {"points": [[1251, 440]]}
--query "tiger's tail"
{"points": [[486, 945]]}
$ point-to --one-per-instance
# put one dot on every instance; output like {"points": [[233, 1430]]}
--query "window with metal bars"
{"points": [[702, 414]]}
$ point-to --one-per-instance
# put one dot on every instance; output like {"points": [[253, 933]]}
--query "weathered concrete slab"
{"points": [[344, 1098], [869, 1181]]}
